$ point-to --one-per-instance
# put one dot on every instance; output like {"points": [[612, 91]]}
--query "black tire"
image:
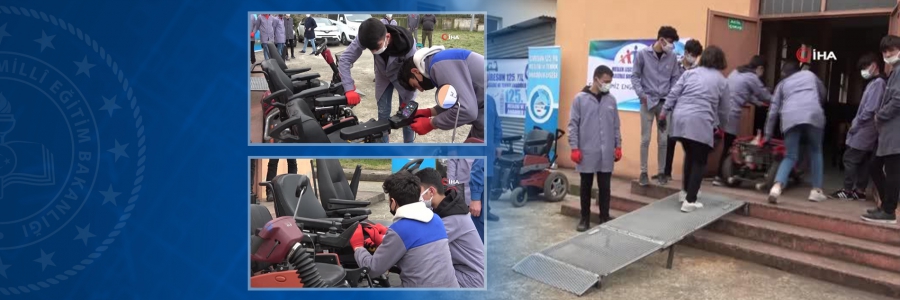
{"points": [[519, 197], [728, 173], [556, 187], [770, 176], [344, 40]]}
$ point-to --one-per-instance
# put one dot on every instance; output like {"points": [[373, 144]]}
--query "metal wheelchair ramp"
{"points": [[258, 84], [577, 264]]}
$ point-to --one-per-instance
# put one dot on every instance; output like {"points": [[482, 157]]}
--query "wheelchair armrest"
{"points": [[350, 203], [330, 101], [315, 224], [365, 129], [336, 126], [275, 95], [296, 70], [354, 212], [511, 138], [354, 182], [304, 76], [311, 92]]}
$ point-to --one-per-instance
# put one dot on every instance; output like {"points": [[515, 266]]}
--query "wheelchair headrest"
{"points": [[287, 192]]}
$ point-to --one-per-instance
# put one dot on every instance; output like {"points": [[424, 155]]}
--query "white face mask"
{"points": [[427, 202], [307, 16], [287, 15], [390, 16], [669, 47], [383, 47], [865, 74], [893, 59], [604, 87]]}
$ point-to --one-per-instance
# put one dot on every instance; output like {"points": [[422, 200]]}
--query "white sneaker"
{"points": [[774, 193], [682, 196], [689, 207], [817, 195]]}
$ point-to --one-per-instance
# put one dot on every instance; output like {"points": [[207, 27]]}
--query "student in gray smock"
{"points": [[266, 32], [427, 21], [746, 88], [280, 36], [412, 23], [691, 59], [698, 104], [655, 72], [886, 166], [254, 26], [596, 142], [389, 20], [416, 242], [460, 68], [289, 36], [466, 247], [797, 100], [390, 45], [862, 136]]}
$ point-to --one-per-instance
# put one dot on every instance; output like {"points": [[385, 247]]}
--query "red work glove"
{"points": [[380, 229], [352, 98], [576, 156], [252, 35], [425, 112], [357, 240], [618, 154], [375, 237], [422, 126], [719, 133]]}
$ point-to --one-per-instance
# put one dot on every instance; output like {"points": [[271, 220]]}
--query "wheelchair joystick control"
{"points": [[347, 216]]}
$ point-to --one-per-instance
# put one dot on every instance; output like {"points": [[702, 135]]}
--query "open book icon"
{"points": [[26, 167]]}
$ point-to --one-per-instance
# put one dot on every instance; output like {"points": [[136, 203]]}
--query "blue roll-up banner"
{"points": [[544, 64], [398, 163]]}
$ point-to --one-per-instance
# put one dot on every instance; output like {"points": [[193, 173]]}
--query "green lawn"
{"points": [[367, 164], [472, 40]]}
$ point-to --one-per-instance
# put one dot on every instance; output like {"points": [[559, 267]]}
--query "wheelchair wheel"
{"points": [[769, 179], [556, 187], [519, 197]]}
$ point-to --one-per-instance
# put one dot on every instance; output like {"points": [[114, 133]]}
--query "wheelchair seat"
{"points": [[538, 142], [331, 274]]}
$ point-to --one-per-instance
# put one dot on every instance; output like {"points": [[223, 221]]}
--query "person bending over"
{"points": [[692, 51]]}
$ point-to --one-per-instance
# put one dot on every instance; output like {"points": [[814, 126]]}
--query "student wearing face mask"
{"points": [[389, 20], [390, 45], [466, 247], [266, 26], [460, 68], [309, 34], [416, 242], [698, 105], [745, 88], [862, 136], [692, 51], [596, 142], [655, 72], [885, 168]]}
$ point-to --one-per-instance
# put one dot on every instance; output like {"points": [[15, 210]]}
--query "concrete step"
{"points": [[843, 273], [572, 207], [852, 250], [797, 238], [832, 216]]}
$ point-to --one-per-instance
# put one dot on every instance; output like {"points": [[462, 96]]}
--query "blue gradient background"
{"points": [[186, 62]]}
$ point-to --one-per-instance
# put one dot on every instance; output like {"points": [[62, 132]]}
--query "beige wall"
{"points": [[580, 21]]}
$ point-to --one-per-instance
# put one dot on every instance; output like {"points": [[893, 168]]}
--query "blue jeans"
{"points": [[308, 41], [812, 139], [265, 51], [280, 47], [384, 113]]}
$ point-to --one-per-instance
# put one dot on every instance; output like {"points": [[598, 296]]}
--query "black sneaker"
{"points": [[880, 217], [644, 180], [875, 210], [583, 225], [718, 181], [662, 179], [843, 194], [302, 51], [859, 195]]}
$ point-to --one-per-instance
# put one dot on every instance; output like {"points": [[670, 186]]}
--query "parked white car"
{"points": [[330, 31]]}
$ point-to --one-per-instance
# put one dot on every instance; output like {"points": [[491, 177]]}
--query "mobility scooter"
{"points": [[529, 174]]}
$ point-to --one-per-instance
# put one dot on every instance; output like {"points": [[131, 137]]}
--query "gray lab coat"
{"points": [[698, 104], [888, 117], [797, 100], [863, 135], [594, 129], [653, 77], [385, 73], [266, 29], [745, 88]]}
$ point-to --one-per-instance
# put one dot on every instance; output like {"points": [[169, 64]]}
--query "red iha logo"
{"points": [[807, 54]]}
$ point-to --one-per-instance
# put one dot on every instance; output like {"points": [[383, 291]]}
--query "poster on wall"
{"points": [[507, 86], [543, 88], [618, 55]]}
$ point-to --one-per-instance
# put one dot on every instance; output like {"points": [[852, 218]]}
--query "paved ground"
{"points": [[364, 74], [696, 274]]}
